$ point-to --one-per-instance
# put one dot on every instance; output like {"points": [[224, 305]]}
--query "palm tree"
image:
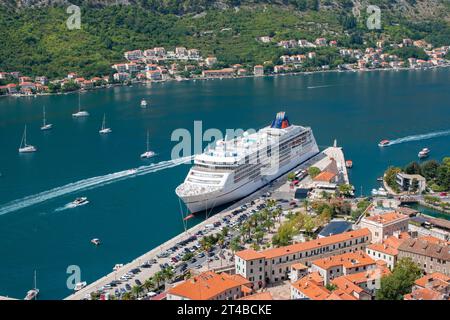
{"points": [[148, 284], [168, 274], [127, 296], [136, 291], [157, 278]]}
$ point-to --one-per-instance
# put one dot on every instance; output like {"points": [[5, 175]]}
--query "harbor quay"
{"points": [[280, 186]]}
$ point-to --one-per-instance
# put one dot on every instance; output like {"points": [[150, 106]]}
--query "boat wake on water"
{"points": [[420, 137], [87, 184]]}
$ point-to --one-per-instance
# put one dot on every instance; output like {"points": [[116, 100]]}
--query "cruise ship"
{"points": [[235, 168]]}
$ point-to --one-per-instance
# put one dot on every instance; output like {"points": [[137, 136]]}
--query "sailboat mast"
{"points": [[103, 123], [148, 148], [79, 103], [25, 136], [43, 111]]}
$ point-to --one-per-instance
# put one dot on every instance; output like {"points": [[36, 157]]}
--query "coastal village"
{"points": [[160, 64], [306, 236]]}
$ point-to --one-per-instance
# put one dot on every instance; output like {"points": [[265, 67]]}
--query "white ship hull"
{"points": [[223, 196]]}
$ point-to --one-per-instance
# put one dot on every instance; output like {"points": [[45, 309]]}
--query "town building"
{"points": [[342, 264], [387, 250], [310, 287], [430, 256], [385, 224], [411, 182], [133, 55], [258, 70], [211, 286], [273, 265], [210, 61], [222, 73]]}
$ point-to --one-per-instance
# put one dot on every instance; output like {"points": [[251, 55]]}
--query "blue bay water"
{"points": [[133, 215]]}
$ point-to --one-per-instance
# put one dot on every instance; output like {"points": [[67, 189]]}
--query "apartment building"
{"points": [[342, 264], [430, 256], [274, 264]]}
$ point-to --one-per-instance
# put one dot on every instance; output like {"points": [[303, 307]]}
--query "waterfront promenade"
{"points": [[152, 254]]}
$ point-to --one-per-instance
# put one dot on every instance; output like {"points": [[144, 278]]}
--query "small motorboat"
{"points": [[96, 241], [132, 171], [80, 285], [384, 143], [79, 201], [349, 163], [380, 179], [423, 153], [143, 103], [188, 217]]}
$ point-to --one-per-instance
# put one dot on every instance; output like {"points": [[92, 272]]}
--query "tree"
{"points": [[148, 284], [429, 169], [136, 291], [291, 176], [412, 168], [400, 282], [235, 244], [313, 171], [158, 277], [390, 178], [346, 190]]}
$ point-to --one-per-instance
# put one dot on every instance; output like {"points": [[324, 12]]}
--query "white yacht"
{"points": [[24, 147], [104, 129], [45, 125], [232, 169], [143, 103], [79, 202], [148, 153], [425, 152], [80, 113]]}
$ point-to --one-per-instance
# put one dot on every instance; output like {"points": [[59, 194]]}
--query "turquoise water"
{"points": [[134, 214], [430, 212]]}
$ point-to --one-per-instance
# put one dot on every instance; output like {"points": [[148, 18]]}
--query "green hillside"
{"points": [[36, 41]]}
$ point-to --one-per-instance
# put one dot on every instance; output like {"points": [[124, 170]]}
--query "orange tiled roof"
{"points": [[266, 295], [298, 266], [422, 282], [325, 176], [369, 275], [249, 254], [384, 248], [311, 288], [314, 244], [423, 294], [348, 260], [433, 240], [387, 217], [208, 285], [346, 285], [339, 294]]}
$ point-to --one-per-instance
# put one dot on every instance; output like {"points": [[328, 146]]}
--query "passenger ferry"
{"points": [[233, 169]]}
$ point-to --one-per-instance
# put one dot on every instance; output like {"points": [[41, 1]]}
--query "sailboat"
{"points": [[45, 125], [147, 154], [24, 147], [104, 130], [33, 293], [143, 103], [80, 113]]}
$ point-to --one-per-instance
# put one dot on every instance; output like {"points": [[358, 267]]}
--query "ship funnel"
{"points": [[281, 121]]}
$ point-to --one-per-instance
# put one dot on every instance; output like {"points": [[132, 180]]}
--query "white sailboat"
{"points": [[147, 154], [33, 293], [80, 113], [45, 125], [24, 147], [143, 103], [104, 129]]}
